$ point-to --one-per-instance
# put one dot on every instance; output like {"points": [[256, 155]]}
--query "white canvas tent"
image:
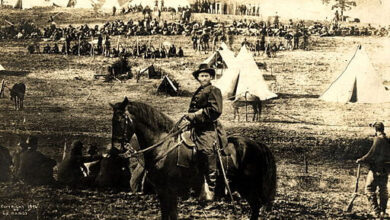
{"points": [[26, 4], [251, 81], [358, 83], [244, 79], [1, 68], [222, 59], [109, 4]]}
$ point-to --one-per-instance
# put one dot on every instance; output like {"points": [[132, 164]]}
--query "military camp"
{"points": [[195, 109]]}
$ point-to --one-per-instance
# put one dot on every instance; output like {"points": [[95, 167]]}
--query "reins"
{"points": [[173, 132]]}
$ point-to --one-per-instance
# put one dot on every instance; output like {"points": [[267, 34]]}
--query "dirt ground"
{"points": [[65, 102]]}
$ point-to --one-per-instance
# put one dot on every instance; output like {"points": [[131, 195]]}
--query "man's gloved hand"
{"points": [[190, 116]]}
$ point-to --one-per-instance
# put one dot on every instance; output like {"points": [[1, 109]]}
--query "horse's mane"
{"points": [[156, 120]]}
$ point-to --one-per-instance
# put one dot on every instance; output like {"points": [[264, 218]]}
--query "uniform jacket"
{"points": [[70, 170], [379, 153], [206, 103], [35, 168]]}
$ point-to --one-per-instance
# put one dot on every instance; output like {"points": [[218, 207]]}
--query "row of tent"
{"points": [[242, 79], [89, 4]]}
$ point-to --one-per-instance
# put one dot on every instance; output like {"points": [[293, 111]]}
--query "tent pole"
{"points": [[246, 107]]}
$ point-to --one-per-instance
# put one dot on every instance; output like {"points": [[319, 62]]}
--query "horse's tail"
{"points": [[261, 170], [269, 178]]}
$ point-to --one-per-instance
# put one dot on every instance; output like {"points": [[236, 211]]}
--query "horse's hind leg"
{"points": [[168, 205], [255, 113], [255, 205], [259, 107], [164, 206], [172, 209]]}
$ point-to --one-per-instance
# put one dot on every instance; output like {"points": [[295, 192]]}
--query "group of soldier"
{"points": [[30, 166], [85, 48], [153, 26]]}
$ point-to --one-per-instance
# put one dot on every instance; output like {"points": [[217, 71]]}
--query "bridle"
{"points": [[130, 150], [128, 121]]}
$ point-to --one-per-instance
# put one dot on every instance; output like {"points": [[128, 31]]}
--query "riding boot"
{"points": [[372, 198], [211, 180], [383, 203]]}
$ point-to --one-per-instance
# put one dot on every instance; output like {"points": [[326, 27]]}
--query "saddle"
{"points": [[187, 151], [187, 140]]}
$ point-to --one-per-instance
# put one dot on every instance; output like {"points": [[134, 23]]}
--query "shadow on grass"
{"points": [[13, 73], [297, 96]]}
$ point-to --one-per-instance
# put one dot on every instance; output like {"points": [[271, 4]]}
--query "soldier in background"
{"points": [[31, 166], [5, 164], [71, 170], [113, 11], [296, 37], [378, 159]]}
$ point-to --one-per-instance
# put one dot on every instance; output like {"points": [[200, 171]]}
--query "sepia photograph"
{"points": [[194, 109]]}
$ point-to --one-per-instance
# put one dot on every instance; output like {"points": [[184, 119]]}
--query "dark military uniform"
{"points": [[70, 170], [35, 168], [206, 104], [31, 166], [5, 164], [377, 158]]}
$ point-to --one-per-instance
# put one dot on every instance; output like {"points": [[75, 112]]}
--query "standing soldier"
{"points": [[204, 111], [305, 39], [194, 41], [296, 36], [113, 11], [378, 158]]}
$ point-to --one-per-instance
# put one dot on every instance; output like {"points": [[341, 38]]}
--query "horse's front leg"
{"points": [[168, 205], [16, 103], [236, 114], [163, 198], [172, 206]]}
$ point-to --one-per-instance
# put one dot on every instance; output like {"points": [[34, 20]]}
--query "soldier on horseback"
{"points": [[205, 108]]}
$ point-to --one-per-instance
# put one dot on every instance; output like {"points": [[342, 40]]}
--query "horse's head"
{"points": [[122, 123]]}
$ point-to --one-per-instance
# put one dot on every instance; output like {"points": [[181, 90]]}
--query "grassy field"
{"points": [[64, 102]]}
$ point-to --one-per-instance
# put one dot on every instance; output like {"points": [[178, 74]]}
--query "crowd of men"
{"points": [[272, 36], [213, 7], [104, 48], [77, 169], [155, 26]]}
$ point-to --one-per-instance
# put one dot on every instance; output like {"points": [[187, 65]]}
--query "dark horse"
{"points": [[254, 175], [17, 94]]}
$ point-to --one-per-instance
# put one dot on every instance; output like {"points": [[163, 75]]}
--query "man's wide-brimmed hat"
{"points": [[204, 68], [379, 126]]}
